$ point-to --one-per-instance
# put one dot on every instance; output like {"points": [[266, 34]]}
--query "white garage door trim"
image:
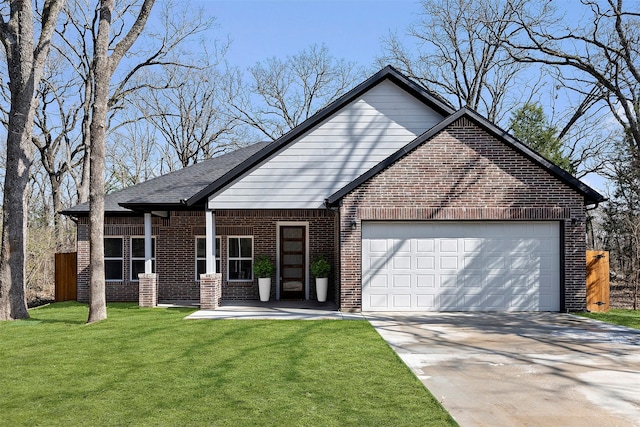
{"points": [[460, 266]]}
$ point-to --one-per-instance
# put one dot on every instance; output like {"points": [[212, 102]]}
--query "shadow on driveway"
{"points": [[510, 369]]}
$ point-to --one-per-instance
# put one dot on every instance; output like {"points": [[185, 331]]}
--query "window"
{"points": [[201, 256], [137, 256], [240, 258], [113, 263]]}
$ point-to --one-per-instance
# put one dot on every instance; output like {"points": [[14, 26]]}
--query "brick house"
{"points": [[418, 208]]}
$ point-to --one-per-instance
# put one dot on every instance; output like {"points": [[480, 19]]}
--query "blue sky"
{"points": [[351, 29]]}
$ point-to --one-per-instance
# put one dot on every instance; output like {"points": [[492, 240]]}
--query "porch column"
{"points": [[211, 281], [148, 264], [148, 281], [210, 218]]}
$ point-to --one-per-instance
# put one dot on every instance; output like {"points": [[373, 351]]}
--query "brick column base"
{"points": [[210, 291], [147, 290]]}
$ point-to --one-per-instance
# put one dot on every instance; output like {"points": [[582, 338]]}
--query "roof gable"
{"points": [[590, 195], [386, 74]]}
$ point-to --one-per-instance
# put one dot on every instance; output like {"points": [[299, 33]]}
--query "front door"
{"points": [[292, 262]]}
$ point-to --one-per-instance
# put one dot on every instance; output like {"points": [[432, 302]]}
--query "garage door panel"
{"points": [[473, 281], [378, 245], [425, 302], [425, 246], [401, 281], [377, 301], [495, 302], [495, 263], [448, 280], [426, 280], [426, 262], [473, 302], [448, 301], [402, 301], [460, 266], [474, 262], [449, 263], [401, 246], [472, 245], [376, 262], [401, 263], [379, 281], [495, 281], [449, 245]]}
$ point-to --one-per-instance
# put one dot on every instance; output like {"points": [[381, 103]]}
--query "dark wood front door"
{"points": [[292, 262]]}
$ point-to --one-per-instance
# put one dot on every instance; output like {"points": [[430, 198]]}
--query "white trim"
{"points": [[253, 255], [197, 258], [115, 259], [304, 224], [210, 258], [148, 241], [144, 258]]}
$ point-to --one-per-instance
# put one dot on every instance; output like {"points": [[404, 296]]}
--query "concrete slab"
{"points": [[276, 310], [521, 369]]}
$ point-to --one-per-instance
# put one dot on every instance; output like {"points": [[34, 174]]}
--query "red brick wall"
{"points": [[175, 249], [463, 173]]}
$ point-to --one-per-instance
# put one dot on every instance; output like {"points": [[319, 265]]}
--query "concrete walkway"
{"points": [[276, 310], [521, 369]]}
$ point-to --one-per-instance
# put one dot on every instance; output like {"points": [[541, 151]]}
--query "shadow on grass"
{"points": [[75, 313]]}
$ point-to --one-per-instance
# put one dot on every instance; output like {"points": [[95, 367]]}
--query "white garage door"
{"points": [[460, 266]]}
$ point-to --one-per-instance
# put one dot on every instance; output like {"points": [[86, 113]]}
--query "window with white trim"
{"points": [[113, 259], [240, 260], [138, 259], [201, 256]]}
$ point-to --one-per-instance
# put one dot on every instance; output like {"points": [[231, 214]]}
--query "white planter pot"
{"points": [[322, 284], [264, 286]]}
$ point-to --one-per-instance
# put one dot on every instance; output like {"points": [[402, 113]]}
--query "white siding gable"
{"points": [[333, 153]]}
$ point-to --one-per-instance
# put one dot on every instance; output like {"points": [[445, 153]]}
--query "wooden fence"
{"points": [[598, 281], [66, 276]]}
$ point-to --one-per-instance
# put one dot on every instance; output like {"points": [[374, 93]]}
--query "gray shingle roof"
{"points": [[170, 189]]}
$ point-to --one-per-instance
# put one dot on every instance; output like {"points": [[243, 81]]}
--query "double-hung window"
{"points": [[113, 259], [240, 258], [201, 256], [137, 256]]}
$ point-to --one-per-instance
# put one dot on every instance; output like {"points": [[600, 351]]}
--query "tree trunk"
{"points": [[97, 294], [25, 62], [103, 68], [13, 304]]}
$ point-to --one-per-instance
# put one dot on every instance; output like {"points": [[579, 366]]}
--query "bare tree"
{"points": [[26, 52], [620, 219], [190, 113], [284, 93], [599, 55], [458, 54], [105, 61], [177, 23], [132, 156], [60, 147]]}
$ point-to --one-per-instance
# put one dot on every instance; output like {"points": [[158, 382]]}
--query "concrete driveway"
{"points": [[521, 369]]}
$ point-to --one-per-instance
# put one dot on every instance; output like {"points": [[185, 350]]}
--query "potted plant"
{"points": [[263, 268], [320, 268]]}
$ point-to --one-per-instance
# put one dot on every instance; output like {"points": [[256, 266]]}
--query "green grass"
{"points": [[152, 367], [629, 318]]}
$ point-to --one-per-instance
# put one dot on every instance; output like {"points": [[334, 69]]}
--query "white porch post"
{"points": [[148, 266], [211, 235]]}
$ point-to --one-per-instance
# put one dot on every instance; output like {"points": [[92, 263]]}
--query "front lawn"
{"points": [[152, 367], [629, 318]]}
